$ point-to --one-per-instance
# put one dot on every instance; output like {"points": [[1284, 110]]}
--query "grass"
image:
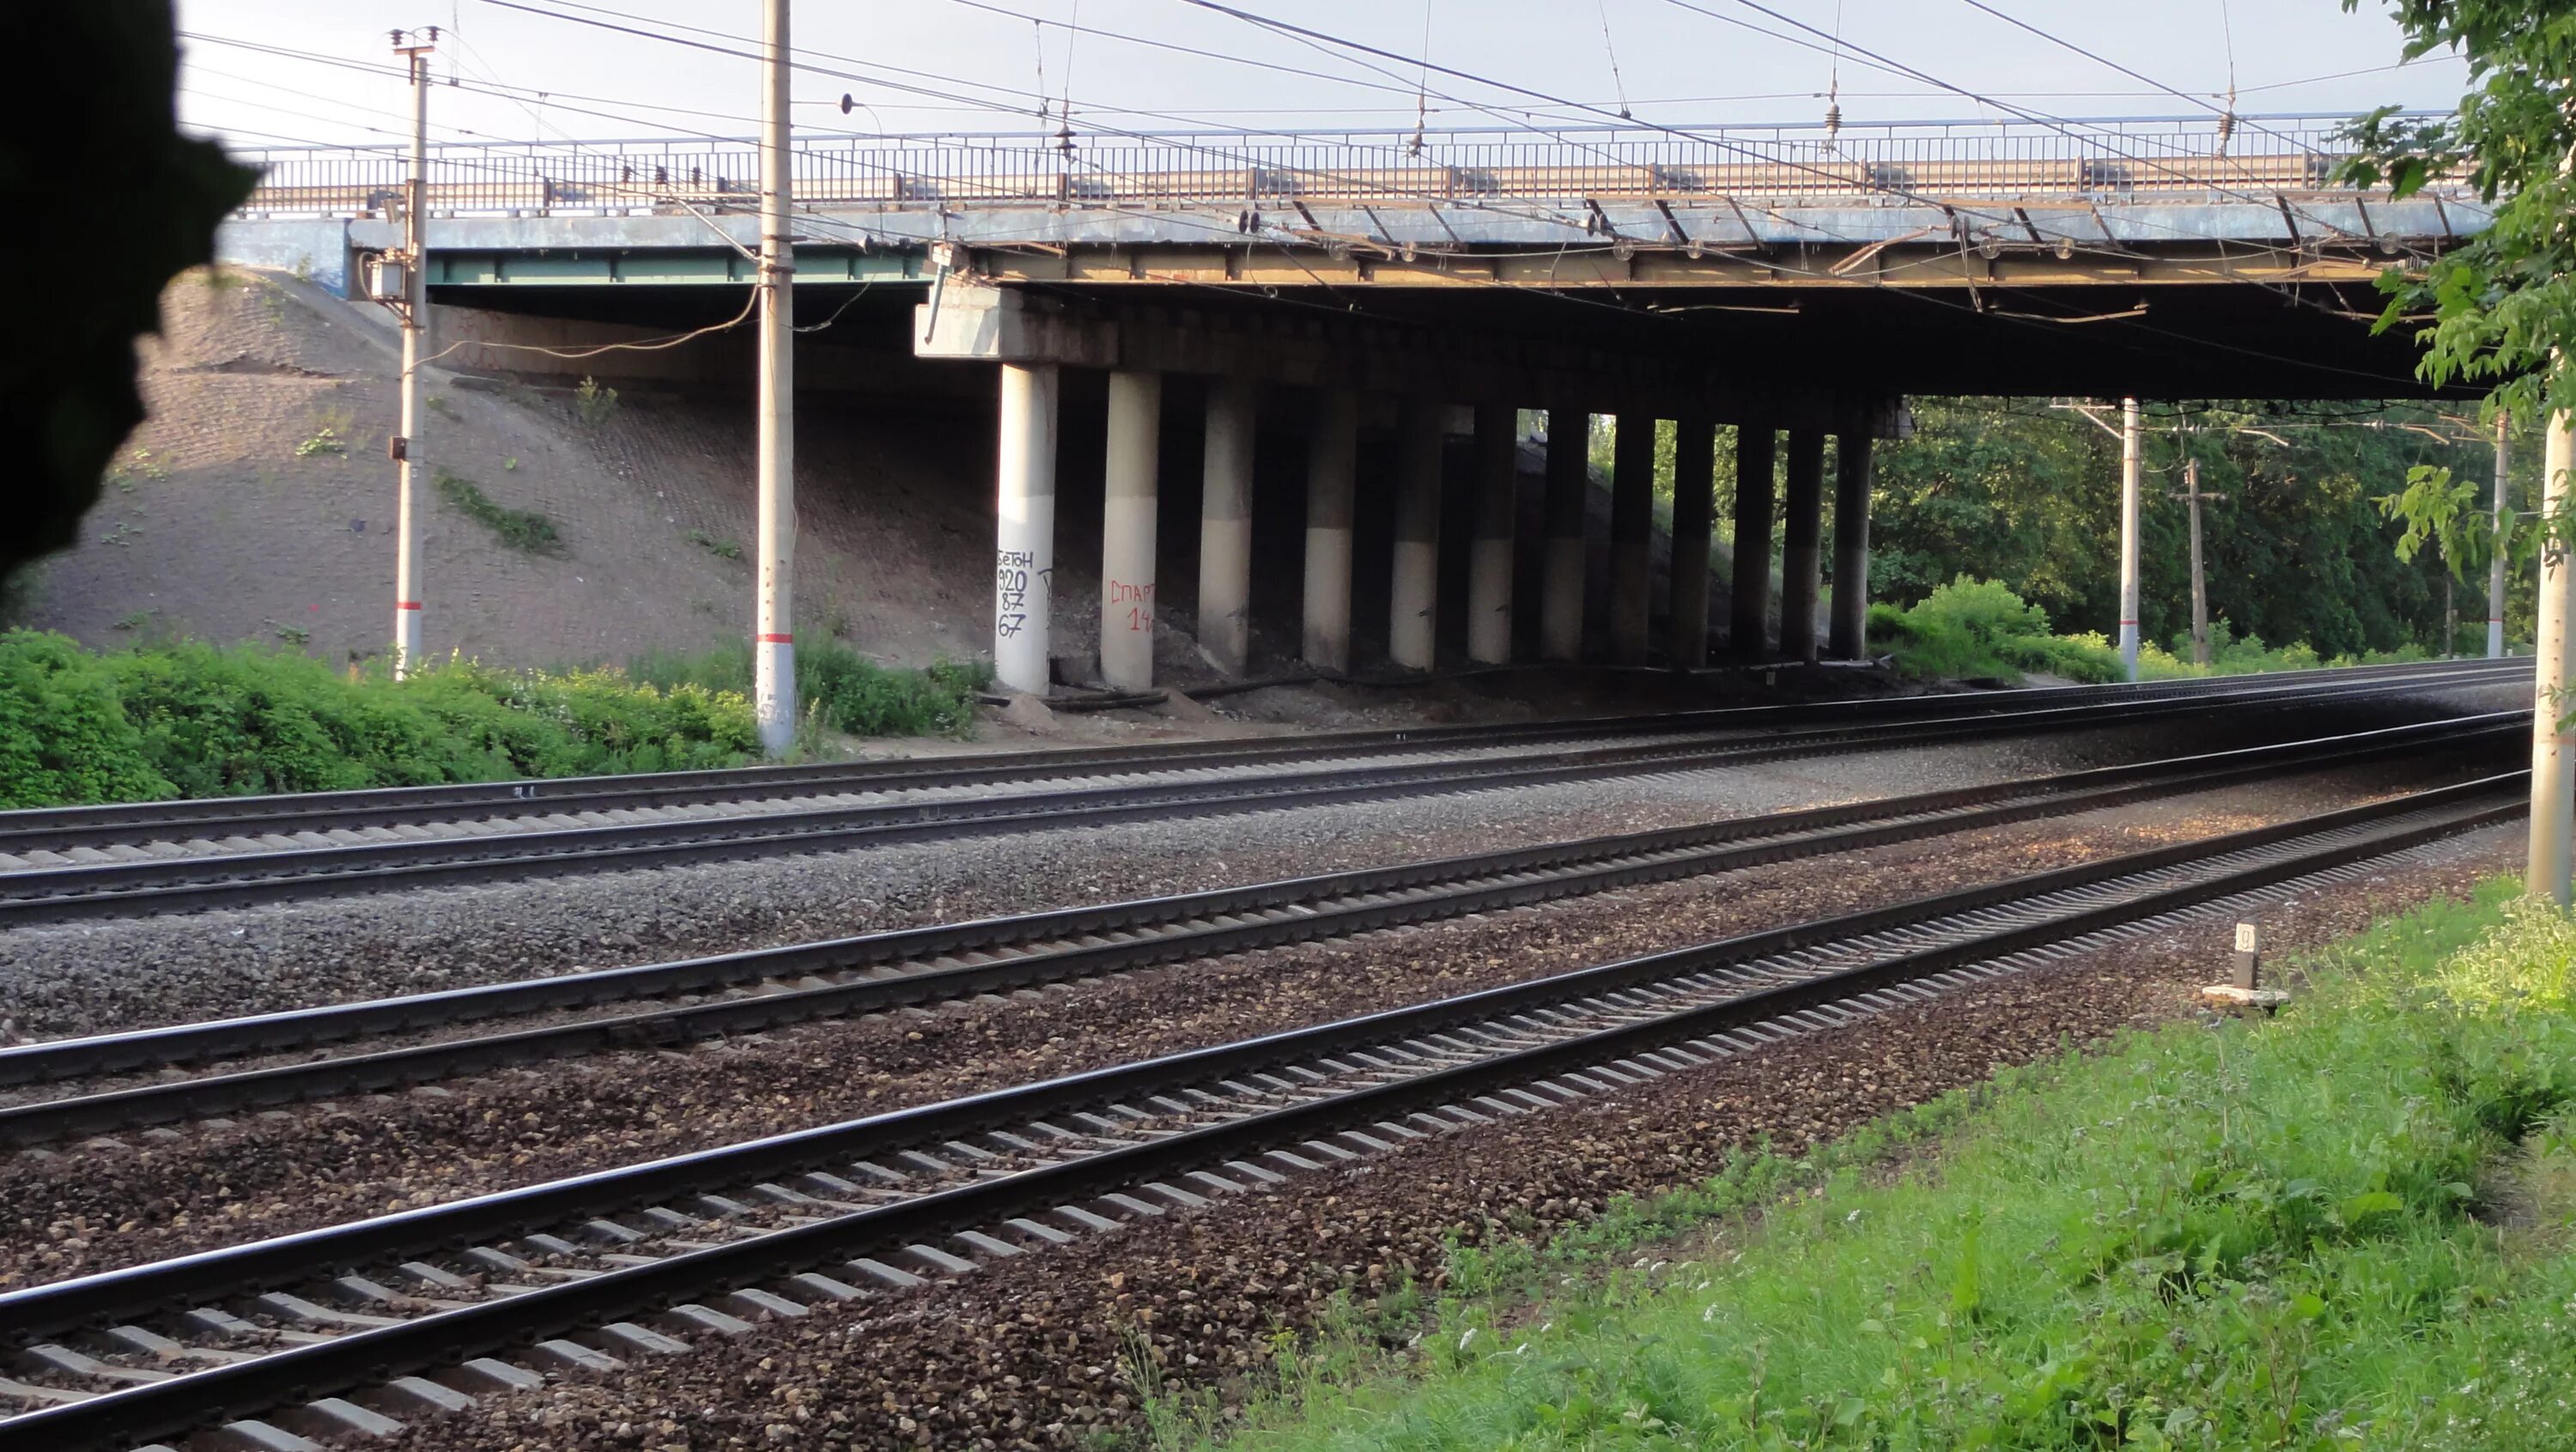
{"points": [[723, 549], [2346, 1227], [841, 689], [524, 530]]}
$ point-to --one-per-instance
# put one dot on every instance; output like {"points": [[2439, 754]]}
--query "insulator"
{"points": [[2226, 128], [1833, 121]]}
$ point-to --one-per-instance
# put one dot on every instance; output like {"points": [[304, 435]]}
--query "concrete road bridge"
{"points": [[1389, 290]]}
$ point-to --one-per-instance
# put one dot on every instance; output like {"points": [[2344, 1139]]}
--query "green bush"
{"points": [[841, 689], [63, 735], [1979, 629], [191, 719]]}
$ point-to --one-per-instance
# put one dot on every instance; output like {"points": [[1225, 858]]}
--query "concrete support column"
{"points": [[1632, 537], [2129, 468], [1560, 628], [1489, 559], [1757, 454], [1332, 464], [1127, 521], [1851, 547], [1225, 528], [1801, 558], [1024, 549], [1416, 587], [1694, 465], [2553, 754]]}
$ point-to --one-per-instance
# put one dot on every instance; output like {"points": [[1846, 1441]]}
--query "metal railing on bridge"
{"points": [[2174, 157]]}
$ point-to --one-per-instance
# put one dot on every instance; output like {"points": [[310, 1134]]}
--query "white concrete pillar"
{"points": [[2553, 804], [1024, 549], [1332, 464], [1489, 557], [1415, 591], [2129, 465], [2495, 565], [1225, 527], [1801, 539], [1849, 625], [1127, 530], [1569, 482]]}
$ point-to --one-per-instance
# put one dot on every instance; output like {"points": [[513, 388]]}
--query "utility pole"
{"points": [[2553, 809], [414, 310], [2495, 566], [2192, 496], [773, 641], [2129, 537]]}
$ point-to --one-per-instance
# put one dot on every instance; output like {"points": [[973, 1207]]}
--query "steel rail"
{"points": [[48, 828], [1065, 944], [234, 879], [2054, 912]]}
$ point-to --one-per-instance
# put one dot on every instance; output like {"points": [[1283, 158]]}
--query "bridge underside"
{"points": [[1401, 346], [2301, 338]]}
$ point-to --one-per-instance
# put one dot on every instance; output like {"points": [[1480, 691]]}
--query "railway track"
{"points": [[412, 1312], [127, 823], [762, 989], [217, 877]]}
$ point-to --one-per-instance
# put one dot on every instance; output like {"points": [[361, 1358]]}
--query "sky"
{"points": [[991, 63]]}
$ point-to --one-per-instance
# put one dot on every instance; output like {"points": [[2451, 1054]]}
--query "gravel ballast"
{"points": [[100, 976], [169, 1192]]}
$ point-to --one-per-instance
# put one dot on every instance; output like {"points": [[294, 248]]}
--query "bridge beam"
{"points": [[1225, 527], [1413, 594], [1024, 550], [1850, 629], [1569, 438], [1694, 465], [975, 322], [1757, 457], [1632, 536], [1801, 559], [1489, 558], [1127, 526]]}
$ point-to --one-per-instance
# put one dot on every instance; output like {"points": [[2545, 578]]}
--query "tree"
{"points": [[131, 203], [2501, 307]]}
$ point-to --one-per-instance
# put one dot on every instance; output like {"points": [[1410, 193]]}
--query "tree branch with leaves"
{"points": [[2498, 309]]}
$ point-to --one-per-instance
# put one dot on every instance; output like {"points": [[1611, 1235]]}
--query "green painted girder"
{"points": [[659, 267]]}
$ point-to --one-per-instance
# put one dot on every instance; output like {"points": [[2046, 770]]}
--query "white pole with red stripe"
{"points": [[773, 642], [2129, 537], [415, 316]]}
